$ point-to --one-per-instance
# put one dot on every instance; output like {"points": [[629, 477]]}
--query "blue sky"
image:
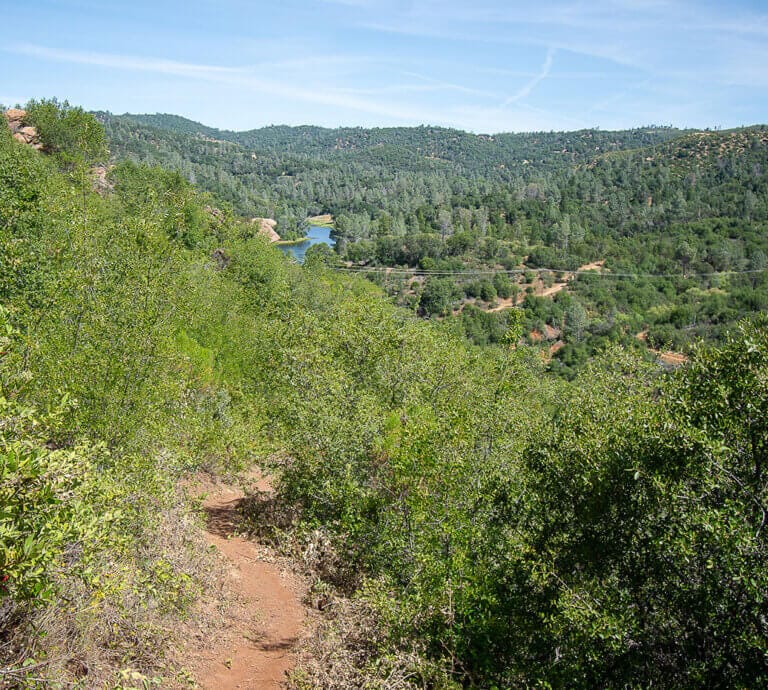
{"points": [[480, 65]]}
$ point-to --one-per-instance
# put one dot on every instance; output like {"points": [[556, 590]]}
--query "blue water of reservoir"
{"points": [[316, 235]]}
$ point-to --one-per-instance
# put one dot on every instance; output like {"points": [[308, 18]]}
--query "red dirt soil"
{"points": [[262, 631], [674, 359], [541, 291]]}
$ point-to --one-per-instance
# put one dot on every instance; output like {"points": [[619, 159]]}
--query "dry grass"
{"points": [[349, 649], [116, 628], [349, 646]]}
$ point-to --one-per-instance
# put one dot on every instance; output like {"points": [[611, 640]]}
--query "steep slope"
{"points": [[466, 519]]}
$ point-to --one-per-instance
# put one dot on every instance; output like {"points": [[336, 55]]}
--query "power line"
{"points": [[517, 271]]}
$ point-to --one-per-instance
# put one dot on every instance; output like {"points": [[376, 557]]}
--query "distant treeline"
{"points": [[652, 200]]}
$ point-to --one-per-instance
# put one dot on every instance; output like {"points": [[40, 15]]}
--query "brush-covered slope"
{"points": [[493, 526]]}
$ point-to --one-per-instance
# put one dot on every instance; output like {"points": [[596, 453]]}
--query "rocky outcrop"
{"points": [[15, 114], [21, 132], [100, 178], [267, 228]]}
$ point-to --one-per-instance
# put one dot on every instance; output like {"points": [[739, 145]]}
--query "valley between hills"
{"points": [[508, 431]]}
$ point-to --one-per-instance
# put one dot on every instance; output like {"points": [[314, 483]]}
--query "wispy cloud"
{"points": [[484, 65], [393, 89], [143, 64], [334, 62], [533, 83], [604, 46], [240, 77], [528, 74], [439, 84], [643, 34]]}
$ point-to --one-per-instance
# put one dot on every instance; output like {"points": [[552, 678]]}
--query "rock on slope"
{"points": [[267, 228], [26, 135]]}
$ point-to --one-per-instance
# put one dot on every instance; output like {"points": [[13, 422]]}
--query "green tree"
{"points": [[487, 291], [320, 255], [576, 320], [503, 285], [647, 526], [71, 134], [437, 297]]}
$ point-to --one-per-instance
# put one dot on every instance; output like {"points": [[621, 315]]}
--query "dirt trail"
{"points": [[546, 292], [669, 357], [256, 648]]}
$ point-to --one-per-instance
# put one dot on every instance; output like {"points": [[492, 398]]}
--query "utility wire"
{"points": [[516, 271]]}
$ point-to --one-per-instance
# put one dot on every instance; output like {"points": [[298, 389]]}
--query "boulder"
{"points": [[26, 135], [267, 228], [29, 133], [13, 115]]}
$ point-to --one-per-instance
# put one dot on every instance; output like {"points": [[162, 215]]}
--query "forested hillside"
{"points": [[674, 221], [351, 171], [467, 519]]}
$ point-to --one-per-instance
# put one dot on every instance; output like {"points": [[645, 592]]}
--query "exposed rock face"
{"points": [[14, 116], [267, 228], [100, 177], [26, 135]]}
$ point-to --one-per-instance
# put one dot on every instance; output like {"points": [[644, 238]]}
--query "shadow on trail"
{"points": [[223, 520]]}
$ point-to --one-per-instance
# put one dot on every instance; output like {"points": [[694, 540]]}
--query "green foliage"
{"points": [[564, 545], [168, 198], [71, 134], [505, 528], [44, 514], [643, 528], [109, 390], [503, 285], [483, 328], [437, 297], [320, 255], [647, 201]]}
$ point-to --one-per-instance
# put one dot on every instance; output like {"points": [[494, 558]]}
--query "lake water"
{"points": [[316, 235]]}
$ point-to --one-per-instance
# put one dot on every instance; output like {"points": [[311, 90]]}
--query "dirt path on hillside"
{"points": [[264, 625], [669, 357], [546, 292]]}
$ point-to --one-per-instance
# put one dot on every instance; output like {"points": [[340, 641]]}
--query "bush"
{"points": [[44, 515], [69, 133], [437, 297], [487, 291], [503, 285]]}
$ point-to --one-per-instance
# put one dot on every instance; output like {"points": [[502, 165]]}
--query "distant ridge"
{"points": [[171, 123], [437, 144]]}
